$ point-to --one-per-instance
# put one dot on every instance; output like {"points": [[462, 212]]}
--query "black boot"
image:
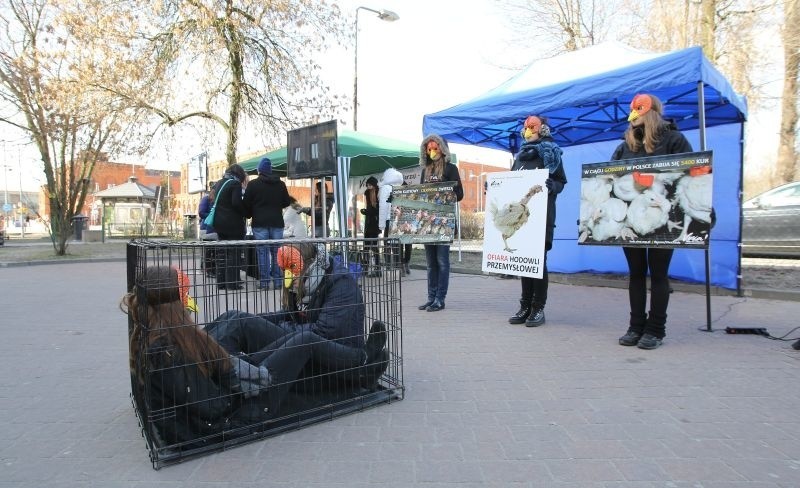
{"points": [[522, 314]]}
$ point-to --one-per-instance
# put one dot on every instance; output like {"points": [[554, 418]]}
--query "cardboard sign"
{"points": [[423, 213], [514, 223]]}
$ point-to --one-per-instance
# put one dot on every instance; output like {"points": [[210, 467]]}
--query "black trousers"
{"points": [[657, 261], [534, 290]]}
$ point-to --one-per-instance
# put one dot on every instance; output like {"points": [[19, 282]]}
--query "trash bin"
{"points": [[78, 222], [190, 226]]}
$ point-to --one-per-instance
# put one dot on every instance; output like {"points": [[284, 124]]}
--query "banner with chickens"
{"points": [[423, 214], [514, 225], [657, 201]]}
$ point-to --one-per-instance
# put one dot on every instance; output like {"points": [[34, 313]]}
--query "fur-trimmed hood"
{"points": [[423, 154]]}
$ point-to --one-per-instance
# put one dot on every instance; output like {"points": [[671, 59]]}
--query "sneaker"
{"points": [[425, 305], [436, 306], [536, 318], [649, 342], [631, 338]]}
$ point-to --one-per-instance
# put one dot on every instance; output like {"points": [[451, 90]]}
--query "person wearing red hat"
{"points": [[648, 134]]}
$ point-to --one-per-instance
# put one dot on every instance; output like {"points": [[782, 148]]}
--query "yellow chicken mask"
{"points": [[640, 105], [433, 150], [531, 128]]}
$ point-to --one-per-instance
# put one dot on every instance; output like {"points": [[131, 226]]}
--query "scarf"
{"points": [[548, 151]]}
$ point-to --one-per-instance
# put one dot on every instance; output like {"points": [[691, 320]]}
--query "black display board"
{"points": [[312, 151]]}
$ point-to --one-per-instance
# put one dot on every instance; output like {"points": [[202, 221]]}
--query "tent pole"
{"points": [[701, 109]]}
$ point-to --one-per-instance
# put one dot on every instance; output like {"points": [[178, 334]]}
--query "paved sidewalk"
{"points": [[487, 403]]}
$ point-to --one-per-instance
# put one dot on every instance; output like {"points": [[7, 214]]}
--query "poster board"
{"points": [[312, 151], [659, 201], [514, 223], [423, 214]]}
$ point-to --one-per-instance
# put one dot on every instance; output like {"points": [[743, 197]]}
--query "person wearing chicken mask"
{"points": [[434, 157], [648, 135], [539, 151]]}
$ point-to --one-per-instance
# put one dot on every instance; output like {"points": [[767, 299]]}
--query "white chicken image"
{"points": [[608, 221], [594, 191], [509, 218], [648, 211], [693, 196]]}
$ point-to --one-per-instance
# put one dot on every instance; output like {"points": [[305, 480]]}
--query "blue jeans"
{"points": [[268, 255], [438, 259]]}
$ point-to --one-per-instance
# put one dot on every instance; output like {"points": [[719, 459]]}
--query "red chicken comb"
{"points": [[699, 170], [289, 258], [643, 179]]}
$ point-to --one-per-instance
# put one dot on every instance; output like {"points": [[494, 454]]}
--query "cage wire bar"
{"points": [[176, 428]]}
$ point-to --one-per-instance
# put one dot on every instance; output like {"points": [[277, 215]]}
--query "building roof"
{"points": [[131, 189]]}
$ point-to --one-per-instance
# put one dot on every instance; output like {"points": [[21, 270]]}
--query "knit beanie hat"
{"points": [[265, 167]]}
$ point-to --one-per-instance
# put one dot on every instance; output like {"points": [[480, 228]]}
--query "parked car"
{"points": [[771, 223]]}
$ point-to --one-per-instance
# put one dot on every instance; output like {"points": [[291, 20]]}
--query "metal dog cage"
{"points": [[177, 425]]}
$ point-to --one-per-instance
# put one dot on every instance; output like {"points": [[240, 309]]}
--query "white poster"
{"points": [[514, 225]]}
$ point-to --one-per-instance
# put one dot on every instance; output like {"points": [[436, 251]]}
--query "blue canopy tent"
{"points": [[586, 96]]}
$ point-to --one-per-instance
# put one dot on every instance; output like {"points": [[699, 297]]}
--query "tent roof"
{"points": [[586, 94], [370, 154]]}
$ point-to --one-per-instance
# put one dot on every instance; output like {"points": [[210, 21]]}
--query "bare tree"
{"points": [[567, 25], [45, 62], [233, 62], [788, 164]]}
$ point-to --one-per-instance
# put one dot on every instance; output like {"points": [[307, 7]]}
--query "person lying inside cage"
{"points": [[185, 383], [322, 299]]}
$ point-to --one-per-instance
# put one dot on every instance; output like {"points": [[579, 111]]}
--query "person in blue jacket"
{"points": [[207, 232]]}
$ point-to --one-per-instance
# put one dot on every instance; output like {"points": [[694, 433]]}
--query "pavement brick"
{"points": [[487, 403]]}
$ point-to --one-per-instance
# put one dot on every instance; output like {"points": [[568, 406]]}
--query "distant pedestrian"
{"points": [[264, 201]]}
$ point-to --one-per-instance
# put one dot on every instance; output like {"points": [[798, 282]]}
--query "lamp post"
{"points": [[386, 15]]}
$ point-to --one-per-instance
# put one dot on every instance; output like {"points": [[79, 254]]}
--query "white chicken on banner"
{"points": [[514, 228]]}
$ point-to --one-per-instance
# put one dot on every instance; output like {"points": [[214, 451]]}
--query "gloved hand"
{"points": [[553, 186], [363, 211]]}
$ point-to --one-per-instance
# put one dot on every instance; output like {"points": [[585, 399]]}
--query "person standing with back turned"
{"points": [[264, 201], [434, 157], [648, 135]]}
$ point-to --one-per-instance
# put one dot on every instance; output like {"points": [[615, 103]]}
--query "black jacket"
{"points": [[450, 174], [371, 228], [229, 217], [671, 141], [264, 201], [184, 403], [529, 157]]}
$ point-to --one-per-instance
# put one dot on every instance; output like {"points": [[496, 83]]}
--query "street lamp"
{"points": [[478, 192], [386, 15]]}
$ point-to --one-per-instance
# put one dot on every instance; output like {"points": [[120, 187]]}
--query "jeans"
{"points": [[438, 259], [268, 255], [238, 331]]}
